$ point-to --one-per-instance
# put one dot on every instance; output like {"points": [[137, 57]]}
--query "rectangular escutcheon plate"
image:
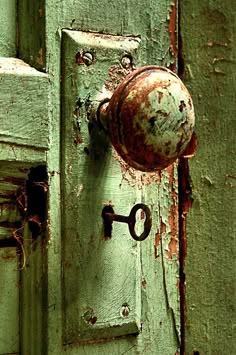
{"points": [[101, 276]]}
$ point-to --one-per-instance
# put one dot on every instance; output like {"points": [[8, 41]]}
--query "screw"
{"points": [[88, 58], [84, 58], [126, 62], [124, 312]]}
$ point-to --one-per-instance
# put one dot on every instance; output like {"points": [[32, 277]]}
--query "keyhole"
{"points": [[107, 225]]}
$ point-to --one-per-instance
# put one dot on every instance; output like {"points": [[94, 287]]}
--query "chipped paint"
{"points": [[136, 178], [158, 237], [172, 29], [173, 247], [117, 73]]}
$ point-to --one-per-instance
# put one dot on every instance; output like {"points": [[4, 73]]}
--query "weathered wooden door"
{"points": [[66, 289]]}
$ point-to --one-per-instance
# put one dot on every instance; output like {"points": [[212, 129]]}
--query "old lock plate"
{"points": [[100, 275]]}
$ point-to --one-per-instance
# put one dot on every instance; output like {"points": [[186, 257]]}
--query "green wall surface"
{"points": [[208, 30]]}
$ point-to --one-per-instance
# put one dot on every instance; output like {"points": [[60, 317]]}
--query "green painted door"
{"points": [[69, 289], [65, 289]]}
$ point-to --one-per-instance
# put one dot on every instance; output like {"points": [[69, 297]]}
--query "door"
{"points": [[76, 292]]}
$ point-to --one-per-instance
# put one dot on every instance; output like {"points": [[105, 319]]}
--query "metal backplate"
{"points": [[101, 276]]}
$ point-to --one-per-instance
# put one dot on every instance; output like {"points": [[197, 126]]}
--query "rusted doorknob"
{"points": [[149, 118]]}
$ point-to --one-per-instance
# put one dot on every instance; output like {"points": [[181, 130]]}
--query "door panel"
{"points": [[24, 140], [153, 278], [100, 275]]}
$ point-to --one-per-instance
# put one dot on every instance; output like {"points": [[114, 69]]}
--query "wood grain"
{"points": [[24, 104], [8, 27], [208, 30], [9, 290]]}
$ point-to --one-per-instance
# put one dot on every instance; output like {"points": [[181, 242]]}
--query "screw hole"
{"points": [[125, 310], [92, 320], [152, 122]]}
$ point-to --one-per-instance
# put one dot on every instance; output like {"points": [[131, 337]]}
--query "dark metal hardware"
{"points": [[109, 217]]}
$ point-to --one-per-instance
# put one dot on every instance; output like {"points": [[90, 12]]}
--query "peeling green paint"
{"points": [[208, 29], [40, 25]]}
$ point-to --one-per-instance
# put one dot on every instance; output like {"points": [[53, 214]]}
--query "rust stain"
{"points": [[191, 148], [78, 140], [160, 96], [173, 216], [173, 222], [172, 182], [172, 29], [173, 248]]}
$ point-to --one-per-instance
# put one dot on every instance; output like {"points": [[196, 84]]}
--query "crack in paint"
{"points": [[168, 307], [185, 203]]}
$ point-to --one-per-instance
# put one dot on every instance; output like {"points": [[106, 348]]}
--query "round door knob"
{"points": [[150, 118]]}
